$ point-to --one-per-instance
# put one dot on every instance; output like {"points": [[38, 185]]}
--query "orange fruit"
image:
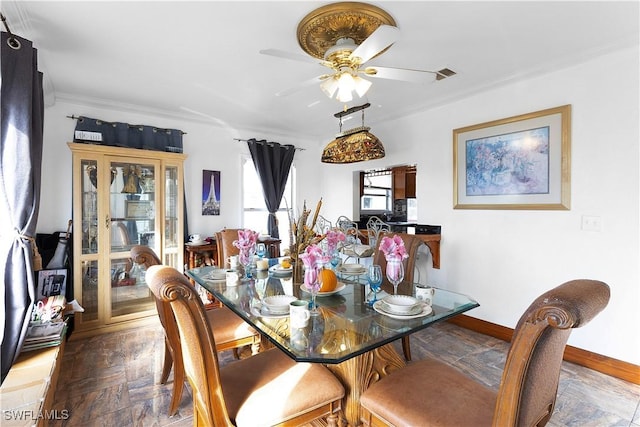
{"points": [[286, 263], [329, 280]]}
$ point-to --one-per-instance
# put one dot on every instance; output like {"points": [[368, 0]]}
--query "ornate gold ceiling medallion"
{"points": [[323, 27]]}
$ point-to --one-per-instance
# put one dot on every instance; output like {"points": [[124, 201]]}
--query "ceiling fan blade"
{"points": [[289, 55], [303, 85], [404, 74], [383, 37]]}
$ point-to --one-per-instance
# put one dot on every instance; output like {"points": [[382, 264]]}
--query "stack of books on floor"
{"points": [[44, 334]]}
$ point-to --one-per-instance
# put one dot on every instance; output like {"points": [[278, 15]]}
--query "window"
{"points": [[254, 209], [377, 192]]}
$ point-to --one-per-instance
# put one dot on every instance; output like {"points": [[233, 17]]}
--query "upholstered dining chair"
{"points": [[411, 244], [230, 330], [266, 389], [432, 393], [224, 243]]}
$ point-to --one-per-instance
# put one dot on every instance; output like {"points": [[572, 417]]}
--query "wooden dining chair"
{"points": [[411, 244], [230, 330], [432, 393], [267, 389], [224, 242]]}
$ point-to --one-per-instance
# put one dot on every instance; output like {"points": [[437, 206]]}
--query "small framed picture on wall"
{"points": [[210, 192]]}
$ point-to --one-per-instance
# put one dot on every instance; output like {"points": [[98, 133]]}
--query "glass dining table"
{"points": [[349, 336]]}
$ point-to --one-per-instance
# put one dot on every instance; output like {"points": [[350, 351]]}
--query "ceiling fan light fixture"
{"points": [[362, 85], [329, 86]]}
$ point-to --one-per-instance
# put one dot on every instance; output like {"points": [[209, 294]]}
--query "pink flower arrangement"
{"points": [[333, 237], [313, 260], [247, 244], [393, 248]]}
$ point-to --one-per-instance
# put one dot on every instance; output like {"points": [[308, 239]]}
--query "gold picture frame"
{"points": [[521, 162]]}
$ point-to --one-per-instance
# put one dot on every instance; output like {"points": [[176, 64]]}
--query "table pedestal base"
{"points": [[358, 373]]}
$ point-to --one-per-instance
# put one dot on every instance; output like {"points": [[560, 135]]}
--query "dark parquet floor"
{"points": [[112, 380]]}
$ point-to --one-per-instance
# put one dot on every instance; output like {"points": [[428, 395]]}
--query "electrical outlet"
{"points": [[591, 223]]}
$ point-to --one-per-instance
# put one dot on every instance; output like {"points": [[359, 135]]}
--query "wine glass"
{"points": [[315, 288], [261, 250], [375, 280], [335, 259], [246, 258], [395, 273]]}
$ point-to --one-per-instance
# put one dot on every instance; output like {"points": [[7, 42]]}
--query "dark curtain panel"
{"points": [[20, 167], [272, 162]]}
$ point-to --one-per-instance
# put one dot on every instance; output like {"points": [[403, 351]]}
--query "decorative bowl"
{"points": [[400, 303], [278, 304]]}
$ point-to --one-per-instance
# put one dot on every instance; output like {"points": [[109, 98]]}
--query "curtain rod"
{"points": [[13, 42], [268, 142]]}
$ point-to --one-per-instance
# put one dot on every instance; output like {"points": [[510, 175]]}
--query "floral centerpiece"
{"points": [[394, 253], [246, 243]]}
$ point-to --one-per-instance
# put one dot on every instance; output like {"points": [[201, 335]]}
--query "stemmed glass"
{"points": [[335, 259], [395, 273], [315, 288], [246, 258], [375, 280], [261, 250]]}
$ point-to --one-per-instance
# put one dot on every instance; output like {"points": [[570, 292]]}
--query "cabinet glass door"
{"points": [[172, 208], [89, 179], [132, 221]]}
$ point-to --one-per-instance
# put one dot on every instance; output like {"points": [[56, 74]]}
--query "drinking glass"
{"points": [[335, 259], [315, 288], [395, 273], [261, 250], [246, 259], [375, 280]]}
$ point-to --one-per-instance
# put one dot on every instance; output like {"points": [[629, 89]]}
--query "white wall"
{"points": [[505, 259]]}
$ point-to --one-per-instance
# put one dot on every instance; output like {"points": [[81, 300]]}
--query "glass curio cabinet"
{"points": [[122, 197]]}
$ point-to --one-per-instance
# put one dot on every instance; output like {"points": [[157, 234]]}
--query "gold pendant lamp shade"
{"points": [[354, 145]]}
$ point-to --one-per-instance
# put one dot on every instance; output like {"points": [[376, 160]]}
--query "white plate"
{"points": [[280, 269], [351, 270], [216, 275], [338, 288], [260, 311], [198, 243], [379, 307]]}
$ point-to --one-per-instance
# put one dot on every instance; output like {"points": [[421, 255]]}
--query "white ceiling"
{"points": [[201, 59]]}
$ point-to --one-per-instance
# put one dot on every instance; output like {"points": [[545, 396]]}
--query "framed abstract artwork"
{"points": [[521, 162]]}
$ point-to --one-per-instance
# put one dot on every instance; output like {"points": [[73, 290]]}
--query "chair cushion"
{"points": [[270, 387], [228, 326], [430, 393]]}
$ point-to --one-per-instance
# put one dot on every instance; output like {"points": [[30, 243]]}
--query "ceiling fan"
{"points": [[344, 37]]}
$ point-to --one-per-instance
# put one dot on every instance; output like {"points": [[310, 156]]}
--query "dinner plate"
{"points": [[351, 270], [216, 275], [338, 288], [260, 311], [280, 269], [379, 306]]}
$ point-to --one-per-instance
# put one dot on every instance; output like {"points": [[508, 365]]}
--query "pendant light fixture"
{"points": [[353, 145]]}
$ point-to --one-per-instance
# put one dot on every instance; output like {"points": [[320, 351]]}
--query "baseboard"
{"points": [[607, 365]]}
